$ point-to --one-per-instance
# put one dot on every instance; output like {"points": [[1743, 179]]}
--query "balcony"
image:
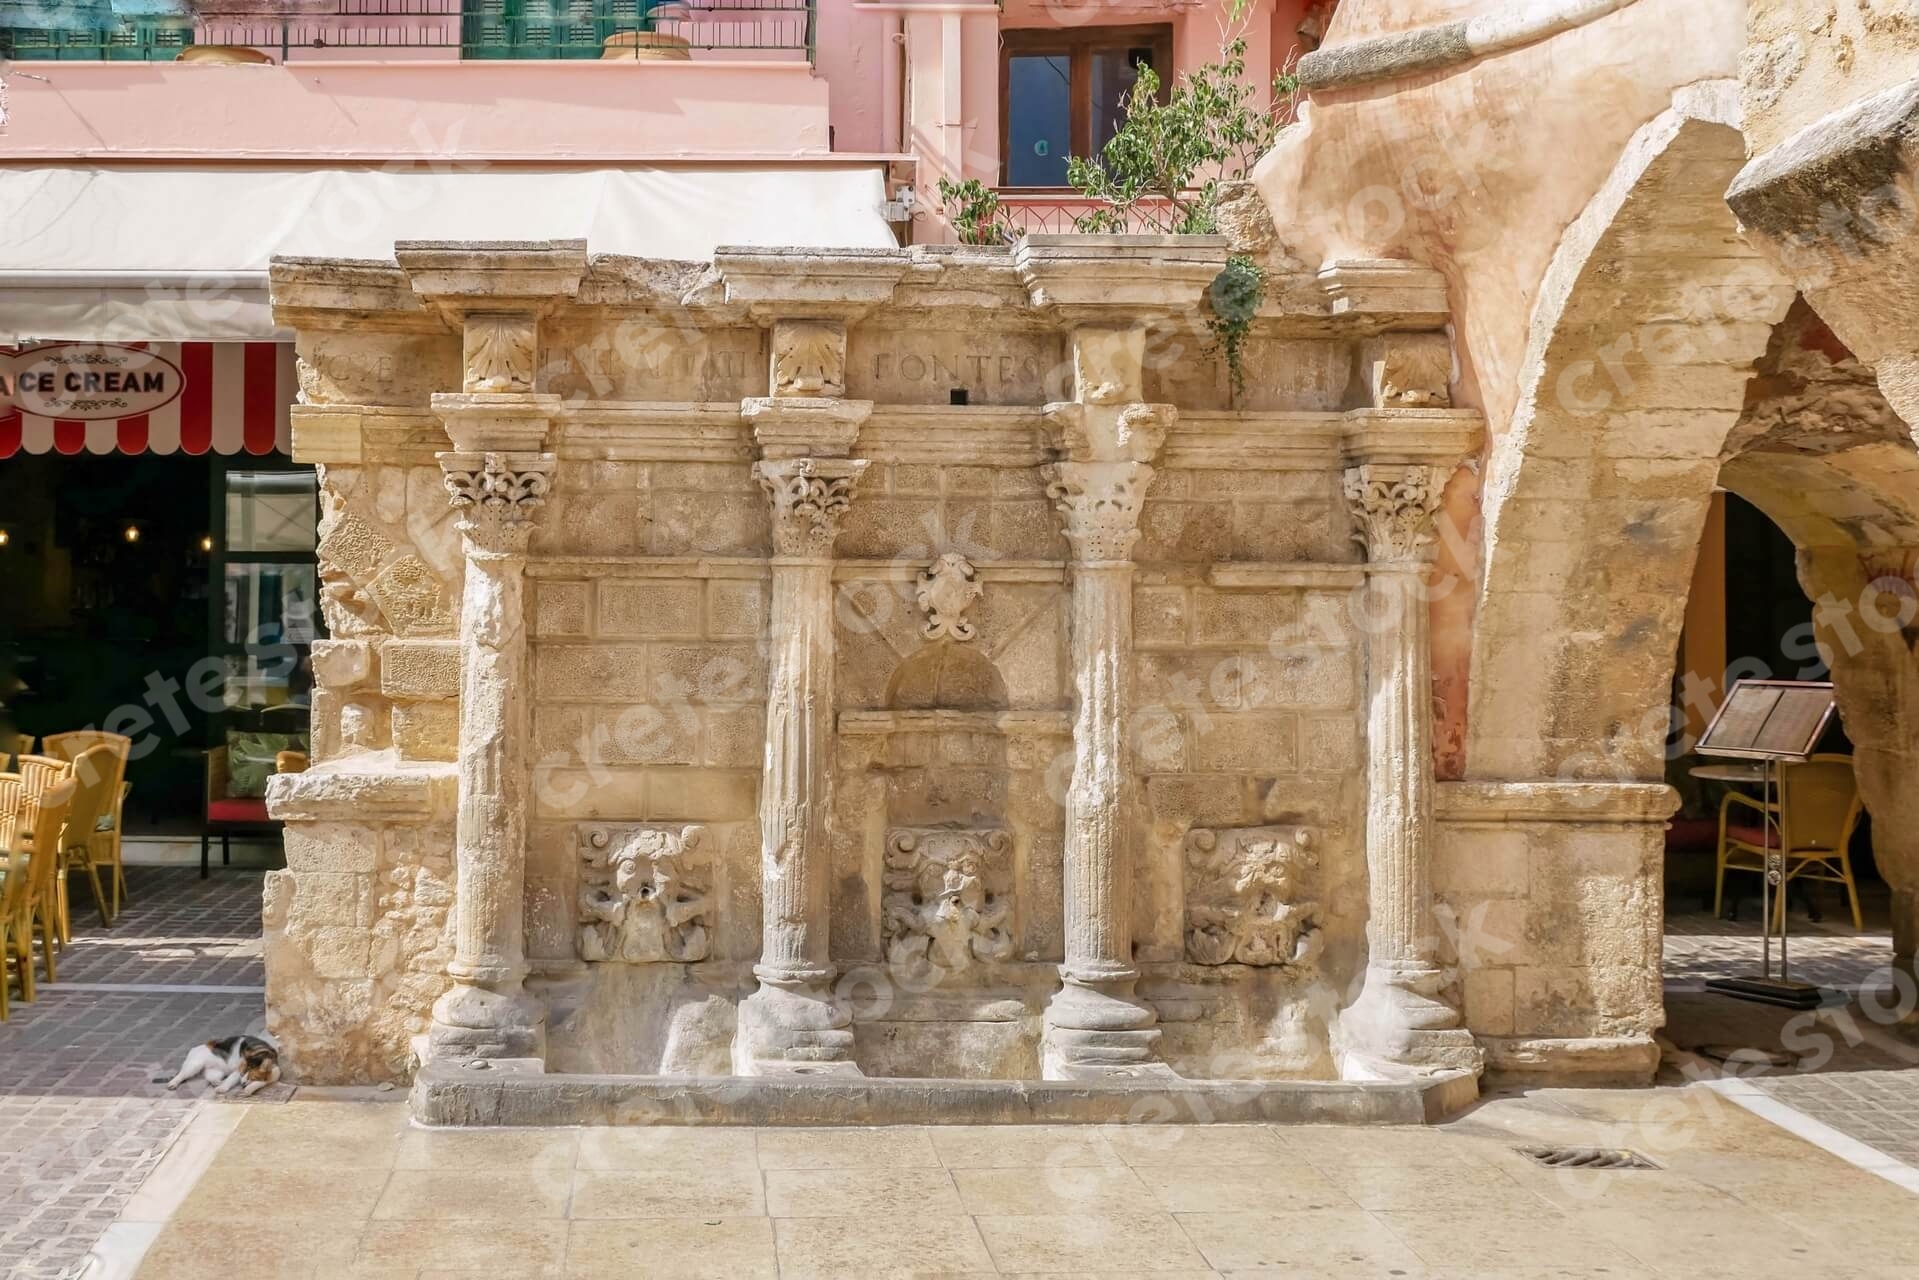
{"points": [[415, 30], [1026, 209]]}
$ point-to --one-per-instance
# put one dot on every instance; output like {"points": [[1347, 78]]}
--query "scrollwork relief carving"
{"points": [[948, 900], [1249, 896], [496, 494], [947, 589], [645, 894], [809, 497]]}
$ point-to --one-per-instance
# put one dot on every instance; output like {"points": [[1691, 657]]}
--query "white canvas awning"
{"points": [[158, 253]]}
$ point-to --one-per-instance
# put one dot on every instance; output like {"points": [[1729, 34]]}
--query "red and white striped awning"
{"points": [[217, 397]]}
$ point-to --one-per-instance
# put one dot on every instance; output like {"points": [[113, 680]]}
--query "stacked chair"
{"points": [[35, 805]]}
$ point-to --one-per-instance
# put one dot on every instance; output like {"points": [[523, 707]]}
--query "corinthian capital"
{"points": [[1394, 508], [809, 497], [1101, 503], [495, 496]]}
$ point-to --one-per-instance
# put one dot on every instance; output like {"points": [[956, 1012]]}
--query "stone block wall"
{"points": [[618, 447], [1550, 913]]}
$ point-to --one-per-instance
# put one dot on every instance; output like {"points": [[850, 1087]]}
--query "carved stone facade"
{"points": [[948, 904], [838, 729], [646, 894]]}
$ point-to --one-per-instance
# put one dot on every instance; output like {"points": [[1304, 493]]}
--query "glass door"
{"points": [[266, 613]]}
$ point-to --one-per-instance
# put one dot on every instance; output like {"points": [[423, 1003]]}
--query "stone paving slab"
{"points": [[174, 929], [354, 1190]]}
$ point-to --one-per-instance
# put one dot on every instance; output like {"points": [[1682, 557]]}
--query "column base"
{"points": [[478, 1022], [1400, 1023], [792, 1025], [1099, 1030]]}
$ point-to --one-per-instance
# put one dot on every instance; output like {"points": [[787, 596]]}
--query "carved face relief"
{"points": [[947, 588], [809, 359], [1249, 896], [948, 902], [645, 894]]}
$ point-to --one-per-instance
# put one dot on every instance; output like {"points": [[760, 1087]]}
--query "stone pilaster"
{"points": [[1399, 1019], [792, 1022], [487, 1012], [1096, 1025]]}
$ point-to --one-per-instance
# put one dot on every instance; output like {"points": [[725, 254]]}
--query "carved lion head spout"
{"points": [[1249, 896], [947, 904], [645, 894]]}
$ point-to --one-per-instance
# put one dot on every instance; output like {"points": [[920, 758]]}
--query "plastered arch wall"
{"points": [[1649, 320]]}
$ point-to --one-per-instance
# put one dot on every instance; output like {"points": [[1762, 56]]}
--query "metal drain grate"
{"points": [[1586, 1158]]}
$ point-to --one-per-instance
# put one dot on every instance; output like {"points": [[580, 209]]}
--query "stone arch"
{"points": [[947, 676], [1643, 340]]}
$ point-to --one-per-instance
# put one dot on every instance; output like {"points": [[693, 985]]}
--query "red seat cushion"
{"points": [[252, 809], [1750, 835], [1684, 834]]}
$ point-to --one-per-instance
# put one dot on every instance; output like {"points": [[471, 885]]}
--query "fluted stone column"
{"points": [[487, 1012], [1096, 1026], [792, 1023], [1399, 1019]]}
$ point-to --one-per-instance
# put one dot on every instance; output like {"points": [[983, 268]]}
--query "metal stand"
{"points": [[1766, 989]]}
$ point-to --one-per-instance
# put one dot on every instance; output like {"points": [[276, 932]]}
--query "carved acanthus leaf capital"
{"points": [[496, 494], [809, 497], [1394, 507], [1101, 502]]}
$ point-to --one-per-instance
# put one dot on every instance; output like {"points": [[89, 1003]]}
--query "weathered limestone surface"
{"points": [[784, 718]]}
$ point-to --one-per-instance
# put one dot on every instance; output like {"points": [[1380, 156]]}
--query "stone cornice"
{"points": [[654, 431], [339, 295], [350, 435], [1118, 277], [1411, 437], [840, 284], [1384, 293], [1051, 724], [805, 426], [495, 423], [369, 787], [484, 275], [1399, 54], [1552, 800]]}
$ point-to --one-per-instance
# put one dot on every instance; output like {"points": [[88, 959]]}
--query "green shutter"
{"points": [[544, 28]]}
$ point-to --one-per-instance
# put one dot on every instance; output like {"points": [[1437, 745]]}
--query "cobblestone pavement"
{"points": [[329, 1191], [1865, 1081], [82, 1120]]}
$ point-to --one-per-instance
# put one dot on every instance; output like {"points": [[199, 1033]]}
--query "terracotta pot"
{"points": [[646, 46], [231, 55]]}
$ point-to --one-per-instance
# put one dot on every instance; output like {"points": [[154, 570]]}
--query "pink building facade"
{"points": [[915, 90]]}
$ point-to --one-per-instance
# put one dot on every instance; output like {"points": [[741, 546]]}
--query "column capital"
{"points": [[805, 426], [809, 497], [495, 496], [1101, 503], [1394, 508]]}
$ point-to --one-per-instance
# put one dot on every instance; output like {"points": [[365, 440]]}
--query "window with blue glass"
{"points": [[1063, 94]]}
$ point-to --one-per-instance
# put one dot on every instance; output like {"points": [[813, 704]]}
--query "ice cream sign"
{"points": [[88, 381]]}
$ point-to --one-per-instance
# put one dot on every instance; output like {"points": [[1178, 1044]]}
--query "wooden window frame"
{"points": [[1077, 44]]}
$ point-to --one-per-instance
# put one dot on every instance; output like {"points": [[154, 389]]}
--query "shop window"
{"points": [[1063, 94], [266, 587]]}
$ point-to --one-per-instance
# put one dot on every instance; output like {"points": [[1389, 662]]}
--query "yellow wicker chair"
{"points": [[38, 817], [96, 775], [16, 920], [107, 829], [1812, 824], [50, 787]]}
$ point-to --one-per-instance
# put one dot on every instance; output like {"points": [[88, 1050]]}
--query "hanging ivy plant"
{"points": [[1235, 294]]}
